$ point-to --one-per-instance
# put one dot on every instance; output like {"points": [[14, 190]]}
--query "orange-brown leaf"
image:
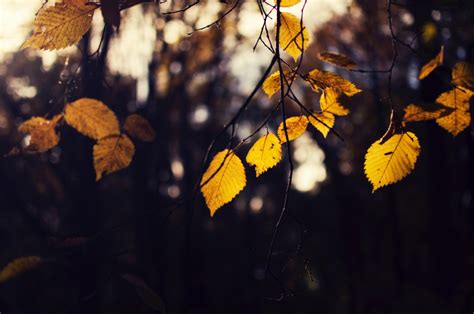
{"points": [[140, 128], [112, 154], [42, 133], [432, 65]]}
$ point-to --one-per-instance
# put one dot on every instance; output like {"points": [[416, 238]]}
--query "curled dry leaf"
{"points": [[42, 133], [19, 266], [265, 153], [140, 128], [432, 65], [339, 60], [112, 154]]}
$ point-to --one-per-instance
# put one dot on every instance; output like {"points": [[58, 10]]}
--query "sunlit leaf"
{"points": [[272, 84], [139, 127], [463, 75], [460, 118], [320, 80], [61, 25], [265, 153], [294, 39], [287, 3], [42, 133], [295, 126], [330, 102], [92, 118], [392, 160], [19, 266], [432, 65], [424, 112], [339, 60], [323, 122], [223, 180], [112, 154]]}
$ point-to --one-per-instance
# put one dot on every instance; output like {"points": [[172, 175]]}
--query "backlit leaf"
{"points": [[323, 122], [320, 80], [42, 133], [265, 153], [111, 154], [295, 126], [272, 84], [61, 25], [339, 60], [391, 161], [432, 65], [92, 118], [19, 266], [424, 112], [287, 3], [463, 75], [330, 102], [460, 118], [294, 39], [139, 127], [223, 180]]}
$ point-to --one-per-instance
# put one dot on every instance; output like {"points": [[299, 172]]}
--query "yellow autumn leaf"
{"points": [[272, 84], [294, 39], [139, 127], [265, 153], [339, 60], [463, 75], [392, 160], [287, 3], [223, 180], [19, 266], [92, 118], [323, 122], [295, 126], [460, 118], [61, 25], [320, 80], [330, 102], [112, 154], [424, 112], [432, 65], [42, 133]]}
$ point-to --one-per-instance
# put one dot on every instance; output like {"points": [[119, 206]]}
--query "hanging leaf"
{"points": [[320, 80], [272, 84], [424, 112], [19, 266], [295, 126], [148, 296], [287, 3], [432, 65], [92, 118], [338, 60], [294, 39], [61, 25], [42, 133], [390, 161], [463, 75], [223, 180], [330, 102], [112, 154], [323, 122], [140, 128], [265, 153], [460, 118]]}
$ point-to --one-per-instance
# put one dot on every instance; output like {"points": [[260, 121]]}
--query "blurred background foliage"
{"points": [[407, 248]]}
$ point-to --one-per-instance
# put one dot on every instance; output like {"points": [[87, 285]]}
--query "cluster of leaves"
{"points": [[113, 149]]}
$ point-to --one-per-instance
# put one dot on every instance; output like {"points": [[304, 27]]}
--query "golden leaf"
{"points": [[432, 65], [392, 160], [19, 266], [92, 118], [272, 84], [463, 75], [294, 39], [112, 154], [330, 102], [320, 80], [287, 3], [424, 112], [295, 126], [265, 153], [42, 133], [139, 127], [460, 118], [223, 180], [339, 60], [61, 25], [323, 122]]}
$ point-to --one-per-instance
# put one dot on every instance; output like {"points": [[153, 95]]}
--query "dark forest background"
{"points": [[408, 248]]}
